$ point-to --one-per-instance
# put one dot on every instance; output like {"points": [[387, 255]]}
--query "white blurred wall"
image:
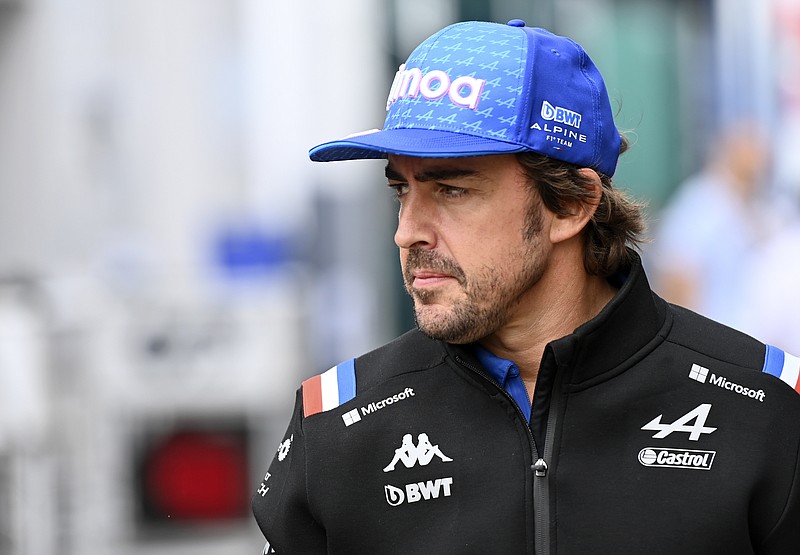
{"points": [[132, 133], [131, 127]]}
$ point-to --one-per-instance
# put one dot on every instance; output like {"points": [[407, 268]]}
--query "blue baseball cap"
{"points": [[479, 88]]}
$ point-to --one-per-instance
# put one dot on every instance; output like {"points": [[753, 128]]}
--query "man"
{"points": [[703, 258], [574, 410]]}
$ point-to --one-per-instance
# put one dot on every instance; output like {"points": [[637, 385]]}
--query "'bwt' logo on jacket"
{"points": [[412, 455], [430, 489]]}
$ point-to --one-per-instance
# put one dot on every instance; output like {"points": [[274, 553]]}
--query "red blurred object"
{"points": [[196, 476]]}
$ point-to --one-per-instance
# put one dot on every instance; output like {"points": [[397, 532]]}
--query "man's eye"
{"points": [[449, 191], [399, 189]]}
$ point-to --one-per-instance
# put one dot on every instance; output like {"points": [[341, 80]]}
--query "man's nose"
{"points": [[415, 221]]}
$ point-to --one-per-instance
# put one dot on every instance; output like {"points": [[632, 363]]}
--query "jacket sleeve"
{"points": [[784, 539], [280, 504]]}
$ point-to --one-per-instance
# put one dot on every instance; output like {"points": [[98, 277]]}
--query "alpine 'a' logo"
{"points": [[695, 431]]}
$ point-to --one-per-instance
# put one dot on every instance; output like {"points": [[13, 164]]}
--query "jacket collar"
{"points": [[619, 334]]}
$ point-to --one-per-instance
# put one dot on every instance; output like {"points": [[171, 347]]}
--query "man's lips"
{"points": [[425, 278], [426, 269]]}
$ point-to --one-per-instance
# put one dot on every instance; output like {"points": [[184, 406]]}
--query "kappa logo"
{"points": [[412, 455], [698, 415], [421, 454]]}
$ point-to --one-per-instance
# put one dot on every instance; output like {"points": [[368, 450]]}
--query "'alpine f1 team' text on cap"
{"points": [[479, 88]]}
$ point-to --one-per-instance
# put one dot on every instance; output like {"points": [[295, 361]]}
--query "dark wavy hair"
{"points": [[618, 223]]}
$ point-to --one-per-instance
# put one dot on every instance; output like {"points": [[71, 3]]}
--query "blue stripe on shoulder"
{"points": [[773, 361], [346, 376]]}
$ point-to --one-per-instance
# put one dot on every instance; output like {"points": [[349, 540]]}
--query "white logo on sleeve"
{"points": [[701, 374], [698, 373], [351, 417], [422, 453], [263, 489], [283, 448], [681, 425]]}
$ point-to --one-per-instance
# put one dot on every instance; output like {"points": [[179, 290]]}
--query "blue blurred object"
{"points": [[250, 251]]}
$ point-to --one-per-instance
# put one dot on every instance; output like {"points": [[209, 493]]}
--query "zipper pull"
{"points": [[539, 468]]}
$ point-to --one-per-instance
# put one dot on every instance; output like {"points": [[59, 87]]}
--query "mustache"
{"points": [[431, 260]]}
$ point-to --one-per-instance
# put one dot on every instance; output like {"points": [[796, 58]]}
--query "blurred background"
{"points": [[172, 265]]}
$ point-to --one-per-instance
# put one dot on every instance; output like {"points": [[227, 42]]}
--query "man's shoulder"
{"points": [[736, 349], [411, 352], [699, 333]]}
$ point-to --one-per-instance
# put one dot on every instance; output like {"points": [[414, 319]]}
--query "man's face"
{"points": [[471, 241]]}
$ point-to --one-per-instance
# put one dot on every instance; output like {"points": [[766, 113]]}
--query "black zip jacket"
{"points": [[653, 431]]}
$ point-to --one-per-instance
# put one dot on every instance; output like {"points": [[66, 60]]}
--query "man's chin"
{"points": [[441, 326]]}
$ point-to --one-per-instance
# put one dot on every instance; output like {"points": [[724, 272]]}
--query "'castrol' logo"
{"points": [[463, 91], [676, 458]]}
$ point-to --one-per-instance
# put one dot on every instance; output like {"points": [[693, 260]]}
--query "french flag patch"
{"points": [[330, 389], [784, 366]]}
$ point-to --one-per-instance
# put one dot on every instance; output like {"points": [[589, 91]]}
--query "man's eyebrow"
{"points": [[393, 175], [444, 174]]}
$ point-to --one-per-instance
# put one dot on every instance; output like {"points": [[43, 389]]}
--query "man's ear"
{"points": [[567, 226]]}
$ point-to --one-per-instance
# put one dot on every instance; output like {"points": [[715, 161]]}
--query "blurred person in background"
{"points": [[770, 299], [709, 233], [547, 401]]}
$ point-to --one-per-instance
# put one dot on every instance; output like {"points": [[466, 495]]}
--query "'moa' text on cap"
{"points": [[463, 91]]}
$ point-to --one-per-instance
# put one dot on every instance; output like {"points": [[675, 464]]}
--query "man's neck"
{"points": [[565, 298]]}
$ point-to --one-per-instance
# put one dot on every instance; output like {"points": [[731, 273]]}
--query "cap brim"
{"points": [[426, 143]]}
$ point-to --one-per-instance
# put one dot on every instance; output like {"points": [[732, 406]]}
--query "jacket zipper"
{"points": [[541, 491]]}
